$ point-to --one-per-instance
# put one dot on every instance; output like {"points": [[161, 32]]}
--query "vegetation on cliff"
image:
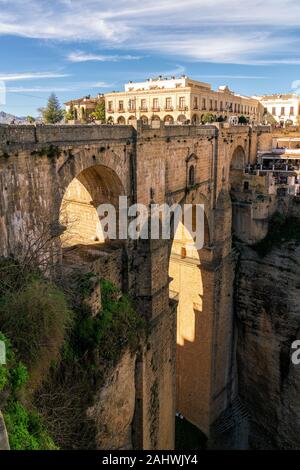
{"points": [[58, 354]]}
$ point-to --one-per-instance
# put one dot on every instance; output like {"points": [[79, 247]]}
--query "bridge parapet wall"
{"points": [[47, 134]]}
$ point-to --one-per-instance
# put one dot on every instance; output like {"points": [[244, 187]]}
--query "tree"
{"points": [[53, 112], [207, 118], [70, 114], [99, 113], [269, 119], [243, 119], [30, 119]]}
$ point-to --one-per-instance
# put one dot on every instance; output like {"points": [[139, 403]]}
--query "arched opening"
{"points": [[145, 120], [191, 175], [195, 119], [155, 118], [131, 120], [189, 287], [236, 170], [168, 120], [238, 195], [181, 119], [110, 120], [94, 186], [121, 120]]}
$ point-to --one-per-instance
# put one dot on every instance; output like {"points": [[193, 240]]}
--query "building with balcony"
{"points": [[177, 101], [284, 108], [82, 108]]}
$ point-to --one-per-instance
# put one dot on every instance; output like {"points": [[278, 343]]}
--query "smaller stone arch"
{"points": [[110, 120], [155, 118], [236, 168], [121, 120], [181, 118], [168, 119], [191, 162], [191, 180]]}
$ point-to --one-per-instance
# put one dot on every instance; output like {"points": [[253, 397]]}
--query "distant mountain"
{"points": [[6, 118]]}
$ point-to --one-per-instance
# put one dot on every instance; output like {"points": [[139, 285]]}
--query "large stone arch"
{"points": [[190, 285], [92, 187], [236, 166]]}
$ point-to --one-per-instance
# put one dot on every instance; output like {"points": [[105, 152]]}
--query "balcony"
{"points": [[155, 109], [143, 109], [110, 111], [131, 109], [169, 108], [121, 110], [182, 108]]}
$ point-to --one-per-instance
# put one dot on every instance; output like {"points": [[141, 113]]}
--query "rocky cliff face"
{"points": [[4, 445], [268, 312]]}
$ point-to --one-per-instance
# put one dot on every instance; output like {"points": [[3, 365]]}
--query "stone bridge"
{"points": [[49, 174]]}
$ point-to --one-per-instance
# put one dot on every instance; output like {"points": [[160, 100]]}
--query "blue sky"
{"points": [[77, 47]]}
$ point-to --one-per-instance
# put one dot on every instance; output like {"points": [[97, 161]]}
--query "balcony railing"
{"points": [[131, 109], [183, 108], [110, 111], [143, 108], [155, 108], [121, 110], [169, 108]]}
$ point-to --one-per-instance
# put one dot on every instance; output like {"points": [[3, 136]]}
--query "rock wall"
{"points": [[268, 313], [114, 407], [4, 445]]}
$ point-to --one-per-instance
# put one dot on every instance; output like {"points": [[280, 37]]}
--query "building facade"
{"points": [[283, 108], [82, 108], [178, 101]]}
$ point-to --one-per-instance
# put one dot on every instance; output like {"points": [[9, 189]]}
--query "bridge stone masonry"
{"points": [[49, 174]]}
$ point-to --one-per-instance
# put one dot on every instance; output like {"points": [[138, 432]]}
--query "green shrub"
{"points": [[116, 327], [36, 319], [25, 429]]}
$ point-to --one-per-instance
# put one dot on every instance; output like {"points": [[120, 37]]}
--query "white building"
{"points": [[284, 108], [178, 100]]}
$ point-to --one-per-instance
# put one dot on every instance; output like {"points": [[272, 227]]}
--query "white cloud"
{"points": [[226, 31], [83, 86], [86, 57], [30, 76]]}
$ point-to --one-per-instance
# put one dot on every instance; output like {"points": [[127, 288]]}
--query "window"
{"points": [[246, 185], [110, 104], [155, 103], [168, 103], [195, 103], [191, 175], [221, 105], [131, 105], [143, 104], [282, 111], [203, 103], [182, 102], [183, 252], [216, 105], [292, 111], [121, 105], [274, 111], [210, 105]]}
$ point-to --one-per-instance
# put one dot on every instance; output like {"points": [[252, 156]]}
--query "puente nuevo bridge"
{"points": [[51, 174]]}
